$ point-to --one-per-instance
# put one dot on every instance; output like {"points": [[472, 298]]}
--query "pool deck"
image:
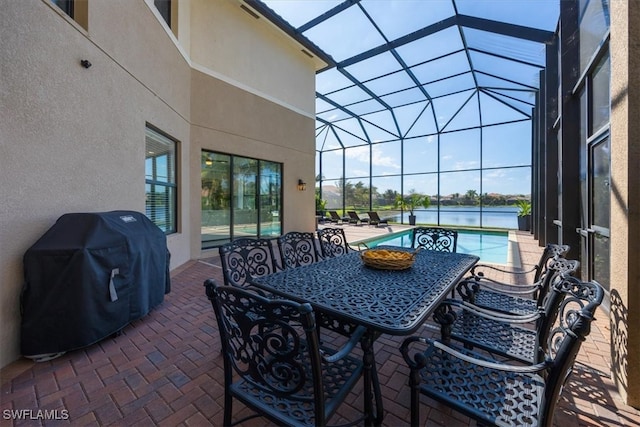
{"points": [[166, 369]]}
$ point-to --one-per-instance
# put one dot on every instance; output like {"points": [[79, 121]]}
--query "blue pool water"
{"points": [[490, 246]]}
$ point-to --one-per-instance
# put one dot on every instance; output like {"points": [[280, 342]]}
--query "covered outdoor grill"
{"points": [[88, 276]]}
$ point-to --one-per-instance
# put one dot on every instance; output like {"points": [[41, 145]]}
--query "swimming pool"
{"points": [[490, 246]]}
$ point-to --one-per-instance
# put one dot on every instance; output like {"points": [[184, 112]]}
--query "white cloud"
{"points": [[496, 174], [469, 164], [361, 154]]}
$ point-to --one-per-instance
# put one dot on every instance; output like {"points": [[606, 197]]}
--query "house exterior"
{"points": [[73, 136], [83, 93]]}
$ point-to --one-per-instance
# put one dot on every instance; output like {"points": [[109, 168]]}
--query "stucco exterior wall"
{"points": [[72, 139], [228, 41], [625, 201], [253, 126]]}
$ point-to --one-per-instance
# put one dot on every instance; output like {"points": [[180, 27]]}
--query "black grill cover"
{"points": [[88, 276]]}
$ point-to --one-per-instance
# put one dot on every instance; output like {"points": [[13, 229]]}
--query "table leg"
{"points": [[372, 392]]}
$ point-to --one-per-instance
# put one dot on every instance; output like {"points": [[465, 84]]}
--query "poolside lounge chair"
{"points": [[355, 219], [374, 219], [337, 219]]}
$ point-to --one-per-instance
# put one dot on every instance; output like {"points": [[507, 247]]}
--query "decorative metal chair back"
{"points": [[272, 359], [297, 249], [435, 238], [556, 267], [576, 311], [245, 258], [333, 242], [551, 252], [550, 299]]}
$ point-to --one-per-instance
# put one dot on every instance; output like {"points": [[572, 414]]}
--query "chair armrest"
{"points": [[420, 360], [209, 287], [346, 348], [538, 367], [407, 345], [494, 315], [505, 288], [475, 268], [211, 284]]}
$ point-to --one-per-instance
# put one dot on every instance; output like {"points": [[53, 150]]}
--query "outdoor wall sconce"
{"points": [[302, 185]]}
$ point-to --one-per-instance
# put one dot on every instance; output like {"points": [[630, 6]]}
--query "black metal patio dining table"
{"points": [[383, 301]]}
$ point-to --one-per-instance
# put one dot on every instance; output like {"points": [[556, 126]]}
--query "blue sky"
{"points": [[487, 88]]}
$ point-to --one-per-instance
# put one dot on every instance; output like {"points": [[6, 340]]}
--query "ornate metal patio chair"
{"points": [[246, 258], [297, 248], [374, 219], [504, 394], [273, 362], [435, 238], [520, 337], [355, 219], [514, 299], [333, 242]]}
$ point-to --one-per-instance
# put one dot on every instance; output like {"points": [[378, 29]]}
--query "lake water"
{"points": [[464, 216]]}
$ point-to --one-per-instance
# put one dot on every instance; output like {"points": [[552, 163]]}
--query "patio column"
{"points": [[568, 154], [625, 203]]}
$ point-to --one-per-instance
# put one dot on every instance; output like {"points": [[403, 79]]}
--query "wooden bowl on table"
{"points": [[388, 259]]}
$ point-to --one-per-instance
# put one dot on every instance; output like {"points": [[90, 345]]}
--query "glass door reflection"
{"points": [[214, 199], [244, 208]]}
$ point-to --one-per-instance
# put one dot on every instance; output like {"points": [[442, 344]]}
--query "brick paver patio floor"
{"points": [[166, 369]]}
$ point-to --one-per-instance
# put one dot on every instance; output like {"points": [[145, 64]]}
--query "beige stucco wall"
{"points": [[253, 126], [229, 42], [72, 139], [625, 202]]}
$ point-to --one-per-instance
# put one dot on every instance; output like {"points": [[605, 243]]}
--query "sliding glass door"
{"points": [[240, 197]]}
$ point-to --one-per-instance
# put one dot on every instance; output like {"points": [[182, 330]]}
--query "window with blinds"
{"points": [[160, 179]]}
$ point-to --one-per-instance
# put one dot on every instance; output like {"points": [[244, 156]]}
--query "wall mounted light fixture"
{"points": [[208, 161], [302, 185]]}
